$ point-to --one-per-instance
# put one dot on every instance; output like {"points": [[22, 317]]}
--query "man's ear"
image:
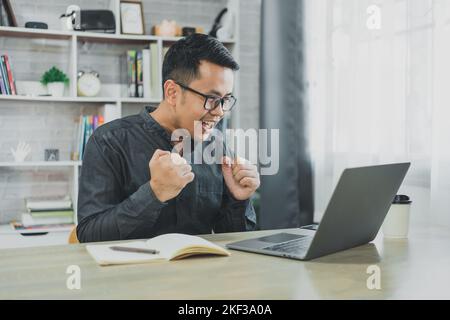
{"points": [[170, 92]]}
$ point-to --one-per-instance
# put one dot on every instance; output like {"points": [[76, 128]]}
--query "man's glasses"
{"points": [[211, 102]]}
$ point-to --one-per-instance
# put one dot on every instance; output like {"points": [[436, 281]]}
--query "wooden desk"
{"points": [[414, 268]]}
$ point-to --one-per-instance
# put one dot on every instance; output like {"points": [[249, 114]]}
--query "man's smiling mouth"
{"points": [[208, 124]]}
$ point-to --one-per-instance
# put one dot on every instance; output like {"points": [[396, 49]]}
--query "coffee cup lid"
{"points": [[401, 199]]}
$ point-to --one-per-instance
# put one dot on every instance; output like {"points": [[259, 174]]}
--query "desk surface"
{"points": [[413, 268]]}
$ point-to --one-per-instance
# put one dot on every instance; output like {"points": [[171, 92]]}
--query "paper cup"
{"points": [[396, 223]]}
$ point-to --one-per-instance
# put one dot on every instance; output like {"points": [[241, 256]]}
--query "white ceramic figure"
{"points": [[22, 151]]}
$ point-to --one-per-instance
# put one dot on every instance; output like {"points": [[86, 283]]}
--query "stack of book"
{"points": [[86, 126], [142, 72], [48, 212], [7, 83]]}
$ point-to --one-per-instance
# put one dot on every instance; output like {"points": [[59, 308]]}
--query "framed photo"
{"points": [[7, 17], [131, 17], [51, 155]]}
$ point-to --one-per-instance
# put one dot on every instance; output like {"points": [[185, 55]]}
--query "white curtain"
{"points": [[379, 92]]}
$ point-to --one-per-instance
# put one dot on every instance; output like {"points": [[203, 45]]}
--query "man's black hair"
{"points": [[182, 60]]}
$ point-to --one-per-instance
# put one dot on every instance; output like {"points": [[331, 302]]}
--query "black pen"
{"points": [[135, 250]]}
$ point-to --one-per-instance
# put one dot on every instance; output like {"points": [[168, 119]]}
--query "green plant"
{"points": [[54, 75]]}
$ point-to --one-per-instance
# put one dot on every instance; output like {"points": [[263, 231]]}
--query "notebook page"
{"points": [[172, 242], [104, 255]]}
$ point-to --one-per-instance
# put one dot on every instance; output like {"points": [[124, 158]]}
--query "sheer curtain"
{"points": [[380, 93]]}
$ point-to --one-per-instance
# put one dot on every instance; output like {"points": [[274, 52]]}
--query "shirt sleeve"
{"points": [[235, 215], [104, 213]]}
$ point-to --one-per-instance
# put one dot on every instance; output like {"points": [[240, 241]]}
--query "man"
{"points": [[131, 185]]}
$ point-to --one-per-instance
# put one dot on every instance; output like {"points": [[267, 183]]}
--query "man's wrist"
{"points": [[156, 192], [144, 198], [234, 199]]}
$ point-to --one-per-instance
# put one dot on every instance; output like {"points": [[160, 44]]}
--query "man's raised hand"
{"points": [[169, 173]]}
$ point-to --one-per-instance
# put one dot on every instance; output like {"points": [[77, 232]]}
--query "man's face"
{"points": [[214, 80]]}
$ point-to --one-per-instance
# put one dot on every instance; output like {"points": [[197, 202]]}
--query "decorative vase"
{"points": [[56, 89]]}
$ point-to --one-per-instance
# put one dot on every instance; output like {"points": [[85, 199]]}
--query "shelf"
{"points": [[58, 99], [114, 38], [174, 39], [78, 99], [41, 164], [93, 99], [34, 33], [139, 100], [86, 36]]}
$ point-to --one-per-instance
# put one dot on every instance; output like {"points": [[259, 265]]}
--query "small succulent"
{"points": [[54, 75]]}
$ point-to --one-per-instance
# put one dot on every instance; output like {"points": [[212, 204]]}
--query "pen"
{"points": [[136, 250]]}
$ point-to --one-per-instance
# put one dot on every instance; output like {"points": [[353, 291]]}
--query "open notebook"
{"points": [[171, 246]]}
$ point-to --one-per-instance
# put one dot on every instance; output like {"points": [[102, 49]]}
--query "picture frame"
{"points": [[8, 14], [132, 18], [51, 155]]}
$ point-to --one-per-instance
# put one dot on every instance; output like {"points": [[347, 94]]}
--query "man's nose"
{"points": [[217, 111]]}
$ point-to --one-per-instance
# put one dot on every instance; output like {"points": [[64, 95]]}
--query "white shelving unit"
{"points": [[95, 36], [75, 39], [41, 164], [77, 99]]}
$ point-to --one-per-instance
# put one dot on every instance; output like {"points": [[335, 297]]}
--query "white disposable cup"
{"points": [[66, 23], [396, 223]]}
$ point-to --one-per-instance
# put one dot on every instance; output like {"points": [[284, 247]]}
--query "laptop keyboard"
{"points": [[293, 246]]}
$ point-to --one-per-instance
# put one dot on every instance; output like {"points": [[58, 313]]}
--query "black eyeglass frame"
{"points": [[215, 99]]}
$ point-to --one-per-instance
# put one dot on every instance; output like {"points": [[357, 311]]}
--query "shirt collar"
{"points": [[152, 124]]}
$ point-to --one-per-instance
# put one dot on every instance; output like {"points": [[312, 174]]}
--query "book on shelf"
{"points": [[172, 246], [85, 128], [2, 82], [29, 221], [51, 210], [51, 213], [131, 73], [7, 82], [155, 83], [20, 228], [50, 203], [139, 77], [87, 131], [12, 83], [143, 72], [146, 73], [80, 140], [110, 112]]}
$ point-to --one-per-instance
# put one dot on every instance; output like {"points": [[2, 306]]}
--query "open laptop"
{"points": [[353, 216]]}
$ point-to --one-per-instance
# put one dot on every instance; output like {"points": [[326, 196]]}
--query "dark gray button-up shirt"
{"points": [[115, 199]]}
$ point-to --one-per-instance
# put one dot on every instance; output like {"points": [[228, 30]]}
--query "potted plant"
{"points": [[55, 80]]}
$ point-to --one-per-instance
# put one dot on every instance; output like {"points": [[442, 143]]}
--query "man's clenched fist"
{"points": [[169, 173], [241, 177]]}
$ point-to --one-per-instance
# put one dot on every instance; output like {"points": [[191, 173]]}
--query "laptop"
{"points": [[353, 217]]}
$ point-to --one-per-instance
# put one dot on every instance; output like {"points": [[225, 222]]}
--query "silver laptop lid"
{"points": [[357, 208]]}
